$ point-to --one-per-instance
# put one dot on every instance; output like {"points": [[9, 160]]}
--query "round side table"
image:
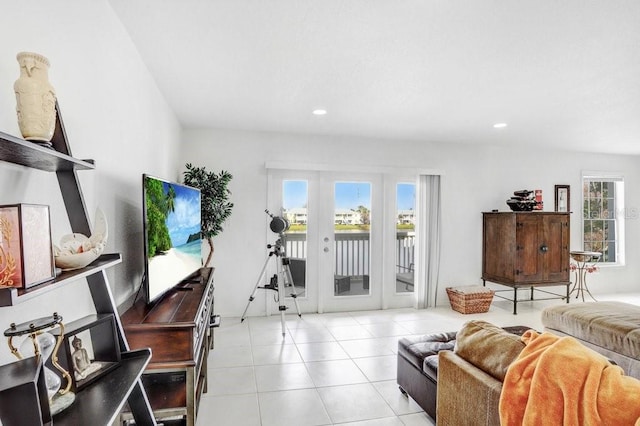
{"points": [[582, 258]]}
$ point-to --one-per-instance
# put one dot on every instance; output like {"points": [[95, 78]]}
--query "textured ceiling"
{"points": [[562, 73]]}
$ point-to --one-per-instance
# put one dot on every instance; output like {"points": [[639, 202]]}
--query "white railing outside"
{"points": [[352, 251]]}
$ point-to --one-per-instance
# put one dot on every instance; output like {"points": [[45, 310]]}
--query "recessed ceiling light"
{"points": [[319, 112], [500, 125]]}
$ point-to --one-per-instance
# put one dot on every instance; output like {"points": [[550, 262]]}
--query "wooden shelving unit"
{"points": [[102, 401]]}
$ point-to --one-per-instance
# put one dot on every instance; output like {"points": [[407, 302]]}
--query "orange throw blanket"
{"points": [[559, 381]]}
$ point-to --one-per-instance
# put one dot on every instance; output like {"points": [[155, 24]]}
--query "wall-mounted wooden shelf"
{"points": [[19, 151], [14, 296]]}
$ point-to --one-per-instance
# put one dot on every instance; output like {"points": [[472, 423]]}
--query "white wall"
{"points": [[476, 179], [113, 113]]}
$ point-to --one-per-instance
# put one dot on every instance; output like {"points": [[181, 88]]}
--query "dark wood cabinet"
{"points": [[178, 330], [526, 250]]}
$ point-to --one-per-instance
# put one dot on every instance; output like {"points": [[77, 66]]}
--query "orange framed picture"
{"points": [[26, 249]]}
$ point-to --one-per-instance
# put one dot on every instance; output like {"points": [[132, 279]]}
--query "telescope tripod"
{"points": [[282, 276]]}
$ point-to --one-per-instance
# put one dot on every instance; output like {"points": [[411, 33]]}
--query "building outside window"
{"points": [[603, 216]]}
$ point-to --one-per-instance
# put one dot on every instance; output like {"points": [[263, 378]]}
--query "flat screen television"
{"points": [[172, 241]]}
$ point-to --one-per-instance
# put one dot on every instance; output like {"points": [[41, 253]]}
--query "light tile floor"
{"points": [[328, 369]]}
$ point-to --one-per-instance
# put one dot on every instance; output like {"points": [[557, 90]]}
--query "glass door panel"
{"points": [[405, 236], [352, 231], [295, 198]]}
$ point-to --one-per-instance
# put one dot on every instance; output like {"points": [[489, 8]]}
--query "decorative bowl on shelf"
{"points": [[518, 205], [77, 250]]}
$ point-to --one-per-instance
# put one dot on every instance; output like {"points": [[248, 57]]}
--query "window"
{"points": [[405, 236], [295, 198], [603, 216]]}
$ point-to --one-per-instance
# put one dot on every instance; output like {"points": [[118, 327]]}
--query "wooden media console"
{"points": [[178, 329]]}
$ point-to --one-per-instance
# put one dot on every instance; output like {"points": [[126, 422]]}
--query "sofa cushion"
{"points": [[422, 351], [430, 366], [611, 325], [488, 347]]}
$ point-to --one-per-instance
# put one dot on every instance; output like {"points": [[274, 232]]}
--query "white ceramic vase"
{"points": [[35, 98]]}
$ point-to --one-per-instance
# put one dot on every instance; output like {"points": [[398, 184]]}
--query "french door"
{"points": [[350, 241], [342, 242]]}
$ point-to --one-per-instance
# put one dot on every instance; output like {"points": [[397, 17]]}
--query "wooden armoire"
{"points": [[526, 249]]}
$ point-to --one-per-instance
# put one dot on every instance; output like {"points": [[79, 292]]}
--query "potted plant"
{"points": [[216, 207]]}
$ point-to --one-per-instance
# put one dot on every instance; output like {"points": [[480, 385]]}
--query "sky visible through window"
{"points": [[294, 194], [349, 195], [406, 196]]}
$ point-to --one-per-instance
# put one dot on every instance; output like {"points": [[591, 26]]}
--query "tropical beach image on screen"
{"points": [[173, 241]]}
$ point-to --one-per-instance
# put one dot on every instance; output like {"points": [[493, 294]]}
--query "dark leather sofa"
{"points": [[418, 367]]}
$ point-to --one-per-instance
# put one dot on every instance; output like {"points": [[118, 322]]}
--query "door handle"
{"points": [[326, 250], [544, 248]]}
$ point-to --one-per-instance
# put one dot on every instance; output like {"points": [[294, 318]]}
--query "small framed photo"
{"points": [[26, 250], [563, 198], [90, 349]]}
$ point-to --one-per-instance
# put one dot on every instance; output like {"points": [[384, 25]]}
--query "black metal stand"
{"points": [[282, 275]]}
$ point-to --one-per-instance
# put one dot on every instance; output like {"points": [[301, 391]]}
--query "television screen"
{"points": [[172, 241]]}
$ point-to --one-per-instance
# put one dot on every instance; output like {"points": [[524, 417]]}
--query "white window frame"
{"points": [[620, 212]]}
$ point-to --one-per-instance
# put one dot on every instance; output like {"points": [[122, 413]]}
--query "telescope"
{"points": [[282, 279], [278, 224]]}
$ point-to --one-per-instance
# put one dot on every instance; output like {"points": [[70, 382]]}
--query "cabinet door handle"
{"points": [[544, 248]]}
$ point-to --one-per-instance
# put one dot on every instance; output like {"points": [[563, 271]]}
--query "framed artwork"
{"points": [[26, 250], [90, 349], [563, 198]]}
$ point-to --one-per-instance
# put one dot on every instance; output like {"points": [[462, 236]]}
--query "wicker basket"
{"points": [[470, 299]]}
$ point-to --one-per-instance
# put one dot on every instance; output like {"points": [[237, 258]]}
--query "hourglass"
{"points": [[40, 342]]}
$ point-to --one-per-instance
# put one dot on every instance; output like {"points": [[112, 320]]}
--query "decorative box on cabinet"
{"points": [[123, 384], [526, 250]]}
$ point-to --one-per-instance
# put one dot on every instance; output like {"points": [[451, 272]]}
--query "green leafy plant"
{"points": [[215, 205]]}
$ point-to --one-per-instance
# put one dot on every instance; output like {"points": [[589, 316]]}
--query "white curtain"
{"points": [[427, 266]]}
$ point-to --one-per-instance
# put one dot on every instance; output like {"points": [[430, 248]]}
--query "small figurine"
{"points": [[82, 365]]}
